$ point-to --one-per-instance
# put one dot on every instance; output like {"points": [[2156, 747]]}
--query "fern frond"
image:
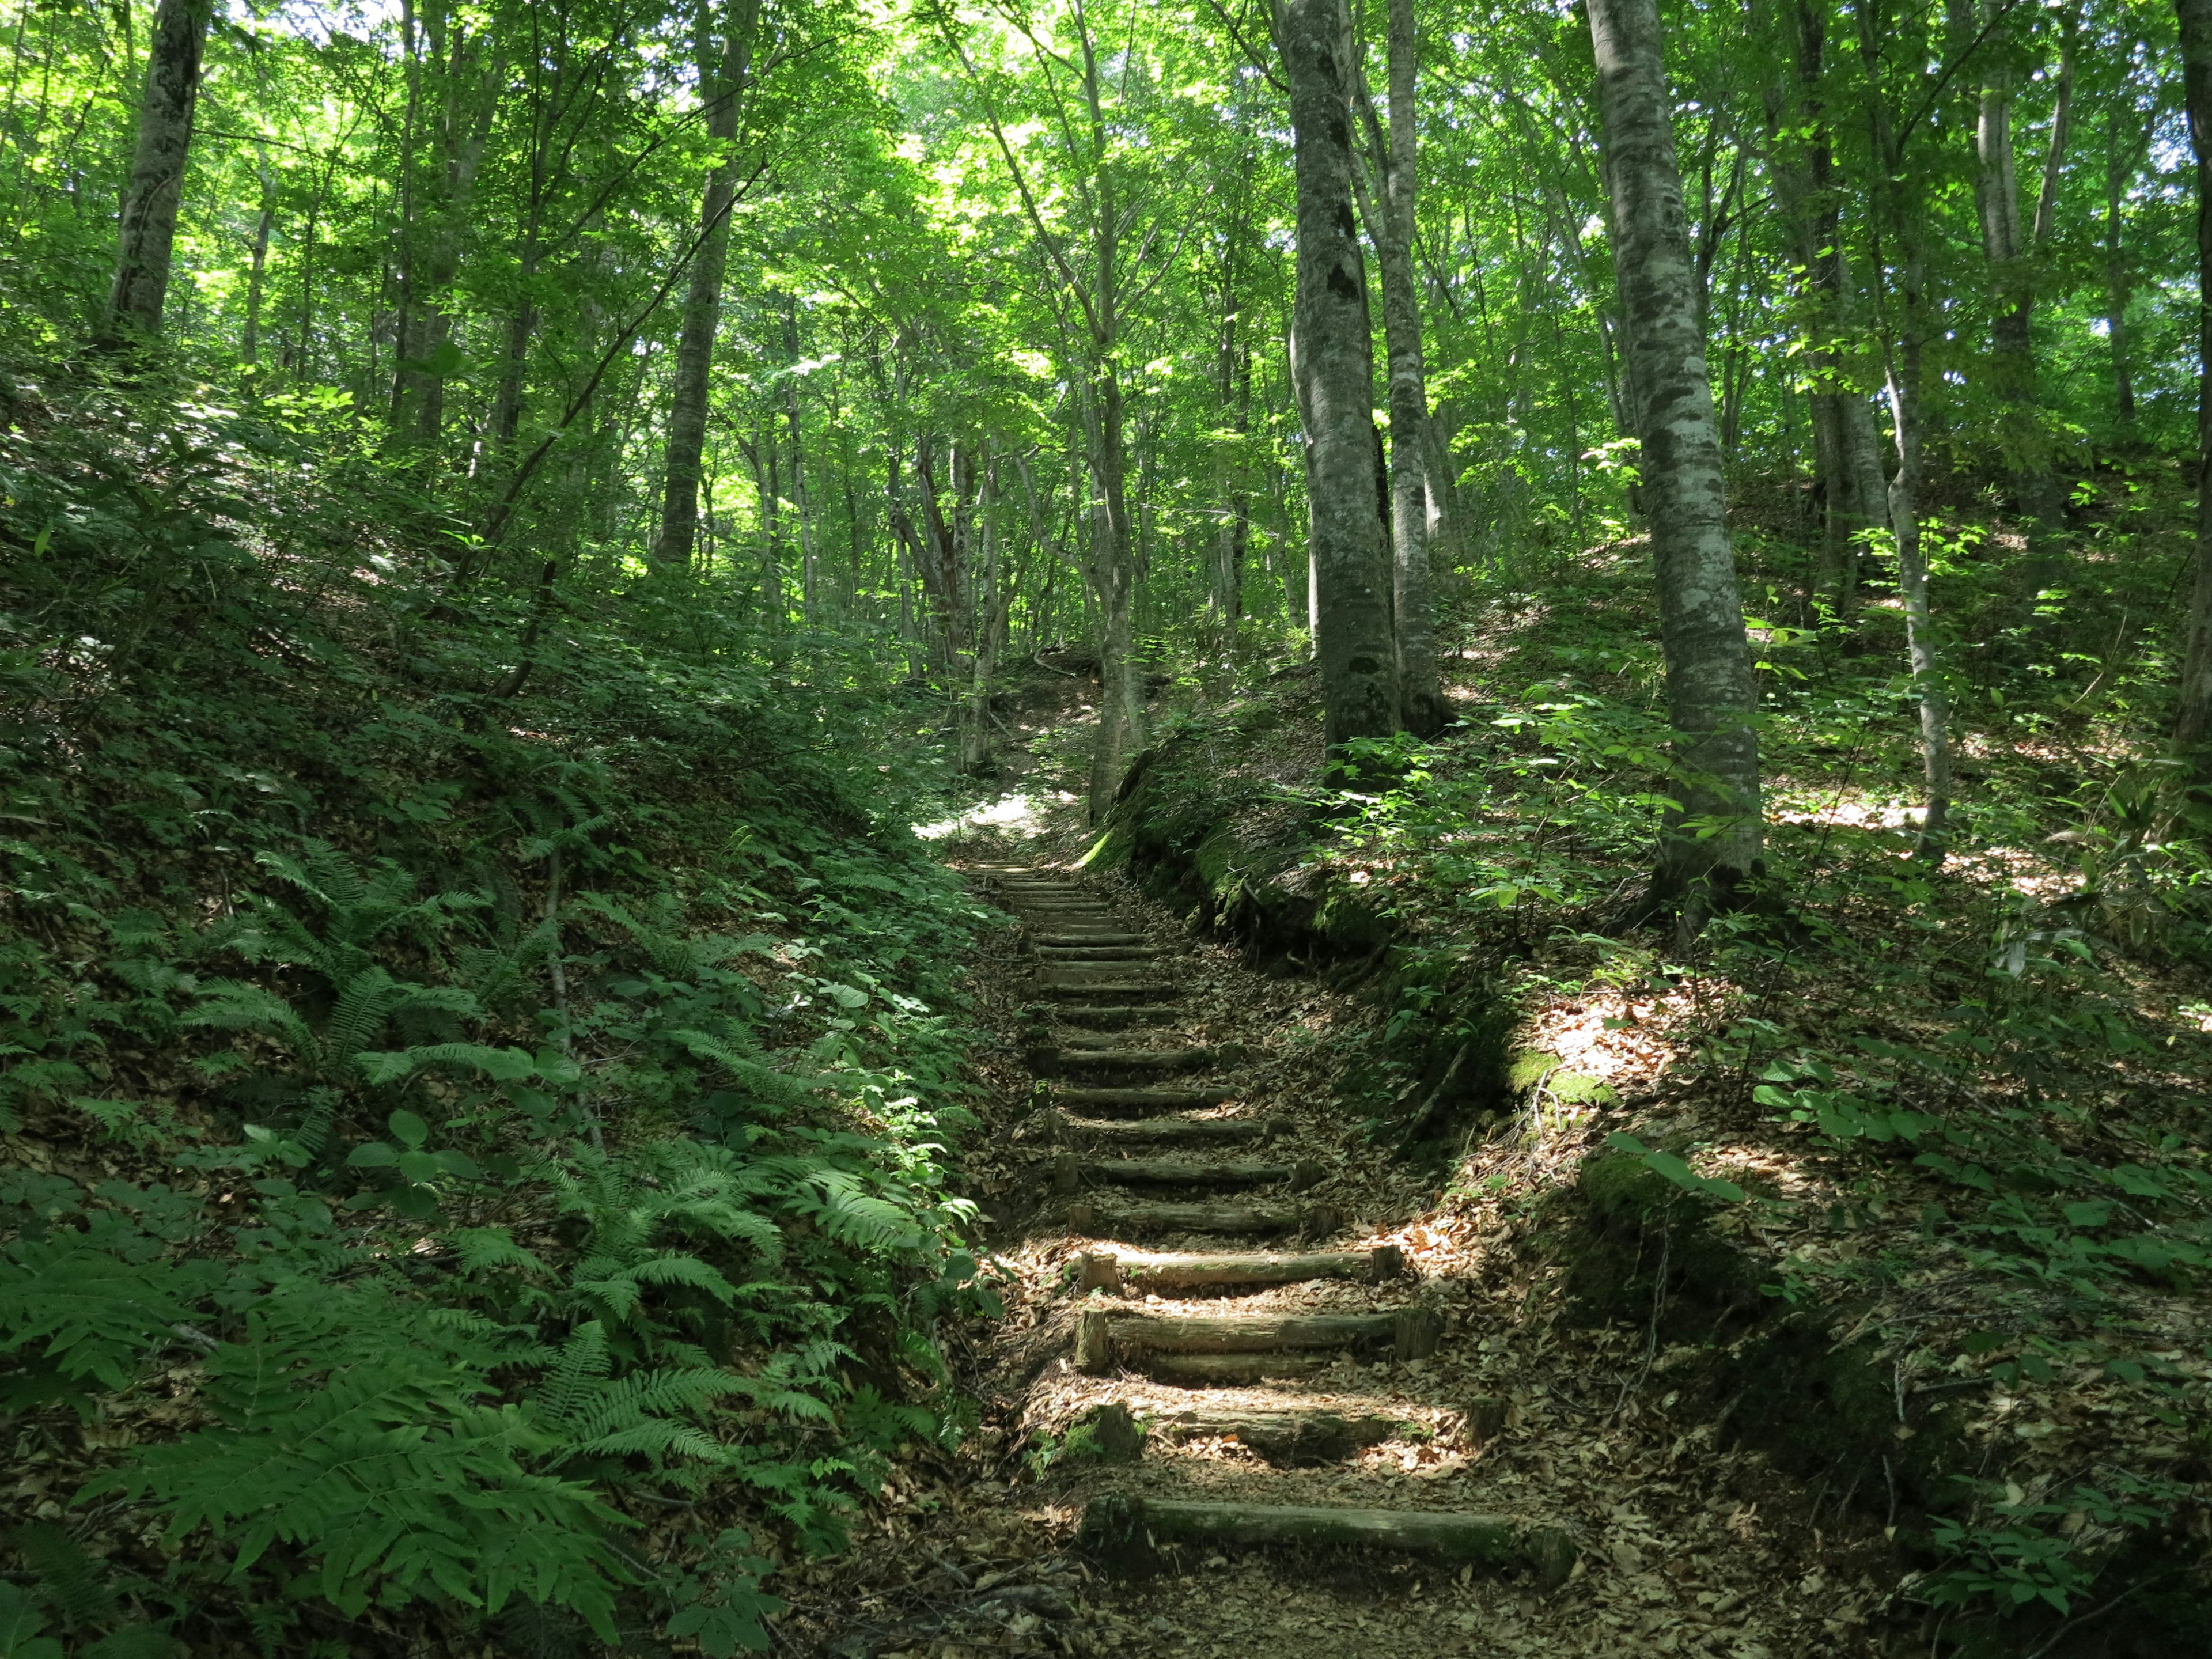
{"points": [[74, 1582], [576, 1374], [231, 1005], [855, 1216]]}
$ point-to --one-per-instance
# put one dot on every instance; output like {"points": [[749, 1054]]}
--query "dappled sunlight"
{"points": [[1016, 815]]}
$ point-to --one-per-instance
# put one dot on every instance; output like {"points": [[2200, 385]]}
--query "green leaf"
{"points": [[20, 1625], [371, 1155]]}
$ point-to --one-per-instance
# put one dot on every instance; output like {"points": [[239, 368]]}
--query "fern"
{"points": [[849, 1212], [74, 1582], [90, 1306], [501, 1065], [348, 1438]]}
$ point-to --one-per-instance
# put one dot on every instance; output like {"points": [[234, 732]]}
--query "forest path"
{"points": [[1259, 1391]]}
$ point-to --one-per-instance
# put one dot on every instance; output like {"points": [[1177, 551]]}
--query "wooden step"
{"points": [[1075, 955], [1055, 982], [1104, 1340], [1286, 1435], [1106, 1014], [1131, 1537], [1069, 1173], [1096, 1220], [1102, 936], [1118, 1271], [1141, 1103], [1128, 1059], [1186, 1131]]}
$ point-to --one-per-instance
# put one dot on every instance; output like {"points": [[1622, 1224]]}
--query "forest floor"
{"points": [[1687, 1545]]}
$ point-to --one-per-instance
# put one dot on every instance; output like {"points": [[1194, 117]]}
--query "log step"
{"points": [[1076, 954], [1119, 1271], [1312, 1220], [1127, 1536], [1055, 984], [1199, 1131], [1102, 1340], [1142, 1102], [1108, 1014], [1283, 1436], [1069, 1173], [1130, 1059], [1089, 937]]}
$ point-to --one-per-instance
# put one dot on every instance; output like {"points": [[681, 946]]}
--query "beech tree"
{"points": [[1712, 839], [725, 59], [148, 226], [1333, 364], [1388, 209]]}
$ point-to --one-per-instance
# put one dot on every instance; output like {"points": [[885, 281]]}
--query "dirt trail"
{"points": [[1169, 1466]]}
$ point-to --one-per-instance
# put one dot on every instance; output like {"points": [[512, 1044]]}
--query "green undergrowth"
{"points": [[476, 1155], [1925, 1161]]}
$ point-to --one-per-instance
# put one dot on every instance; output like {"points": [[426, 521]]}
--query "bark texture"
{"points": [[722, 75], [148, 229], [2194, 716], [1712, 842], [1389, 215], [1334, 366]]}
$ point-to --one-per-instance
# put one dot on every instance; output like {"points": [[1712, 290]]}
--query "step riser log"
{"points": [[1142, 1103], [1105, 1270], [1129, 1535], [1102, 1338], [1169, 1131], [1097, 1220], [1071, 1174]]}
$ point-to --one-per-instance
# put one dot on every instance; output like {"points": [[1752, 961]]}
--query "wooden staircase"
{"points": [[1151, 1141]]}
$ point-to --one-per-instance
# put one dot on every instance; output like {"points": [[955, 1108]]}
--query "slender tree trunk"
{"points": [[2192, 722], [2006, 248], [1710, 844], [1899, 212], [1846, 459], [147, 229], [2119, 167], [249, 346], [1390, 226], [1335, 365], [1920, 641], [976, 732], [810, 576], [1233, 403], [722, 75]]}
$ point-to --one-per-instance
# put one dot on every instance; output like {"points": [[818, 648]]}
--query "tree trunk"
{"points": [[722, 77], [1113, 573], [148, 227], [2193, 718], [1390, 226], [1710, 842], [1333, 362], [249, 346], [1899, 220], [976, 729], [1233, 401], [2012, 359], [2119, 167], [469, 85], [1846, 460]]}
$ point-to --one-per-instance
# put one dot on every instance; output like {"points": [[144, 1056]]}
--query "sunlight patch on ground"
{"points": [[1021, 815]]}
